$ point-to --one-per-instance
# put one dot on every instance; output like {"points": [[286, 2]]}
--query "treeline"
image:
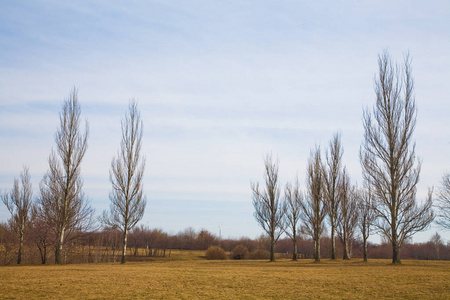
{"points": [[145, 243], [61, 212], [60, 220], [331, 202]]}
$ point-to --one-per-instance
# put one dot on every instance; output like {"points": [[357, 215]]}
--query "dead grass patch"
{"points": [[185, 275]]}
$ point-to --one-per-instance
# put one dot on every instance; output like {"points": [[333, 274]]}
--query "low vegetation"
{"points": [[215, 252], [239, 252], [187, 275]]}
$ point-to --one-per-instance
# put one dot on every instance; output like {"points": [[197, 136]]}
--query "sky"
{"points": [[219, 85]]}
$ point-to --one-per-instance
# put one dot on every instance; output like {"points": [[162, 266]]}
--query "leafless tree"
{"points": [[19, 203], [41, 234], [366, 215], [332, 176], [63, 203], [127, 171], [443, 203], [348, 214], [268, 207], [314, 208], [388, 155], [291, 206]]}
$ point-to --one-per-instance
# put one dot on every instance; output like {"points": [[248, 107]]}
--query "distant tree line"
{"points": [[105, 245]]}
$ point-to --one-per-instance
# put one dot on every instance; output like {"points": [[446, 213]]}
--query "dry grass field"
{"points": [[186, 275]]}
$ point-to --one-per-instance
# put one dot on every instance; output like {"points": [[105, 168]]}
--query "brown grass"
{"points": [[186, 275]]}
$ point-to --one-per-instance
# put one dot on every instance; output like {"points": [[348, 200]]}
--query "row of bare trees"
{"points": [[62, 211], [386, 201]]}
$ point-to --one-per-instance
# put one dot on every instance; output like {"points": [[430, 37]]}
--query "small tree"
{"points": [[268, 207], [332, 176], [388, 156], [127, 170], [348, 214], [292, 209], [314, 209], [366, 215], [443, 203], [19, 203]]}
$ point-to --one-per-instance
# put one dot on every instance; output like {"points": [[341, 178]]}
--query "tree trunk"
{"points": [[333, 242], [346, 249], [395, 253], [365, 249], [395, 245], [272, 249], [317, 250], [124, 245], [294, 252], [19, 255], [59, 247]]}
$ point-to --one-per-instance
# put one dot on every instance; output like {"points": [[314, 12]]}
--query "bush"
{"points": [[239, 252], [215, 252], [259, 254]]}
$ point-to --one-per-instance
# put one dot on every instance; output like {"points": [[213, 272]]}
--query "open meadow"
{"points": [[188, 275]]}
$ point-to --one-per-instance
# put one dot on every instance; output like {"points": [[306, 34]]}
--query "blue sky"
{"points": [[219, 85]]}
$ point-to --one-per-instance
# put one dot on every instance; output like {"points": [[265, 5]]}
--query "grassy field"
{"points": [[186, 275]]}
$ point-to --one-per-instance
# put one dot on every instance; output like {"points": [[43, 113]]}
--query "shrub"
{"points": [[215, 252], [259, 254], [239, 252]]}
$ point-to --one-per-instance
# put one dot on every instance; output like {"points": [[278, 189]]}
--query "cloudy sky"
{"points": [[219, 84]]}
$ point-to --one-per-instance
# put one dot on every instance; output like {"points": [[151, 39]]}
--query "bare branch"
{"points": [[443, 203]]}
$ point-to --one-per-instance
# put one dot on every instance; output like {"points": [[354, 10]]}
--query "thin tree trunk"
{"points": [[124, 245], [272, 249], [365, 249], [395, 246], [294, 254], [59, 247], [317, 250], [19, 256], [333, 242]]}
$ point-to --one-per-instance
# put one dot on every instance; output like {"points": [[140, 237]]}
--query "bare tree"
{"points": [[388, 155], [41, 234], [314, 208], [331, 176], [127, 171], [366, 215], [443, 203], [19, 203], [63, 203], [268, 207], [291, 206], [348, 214]]}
